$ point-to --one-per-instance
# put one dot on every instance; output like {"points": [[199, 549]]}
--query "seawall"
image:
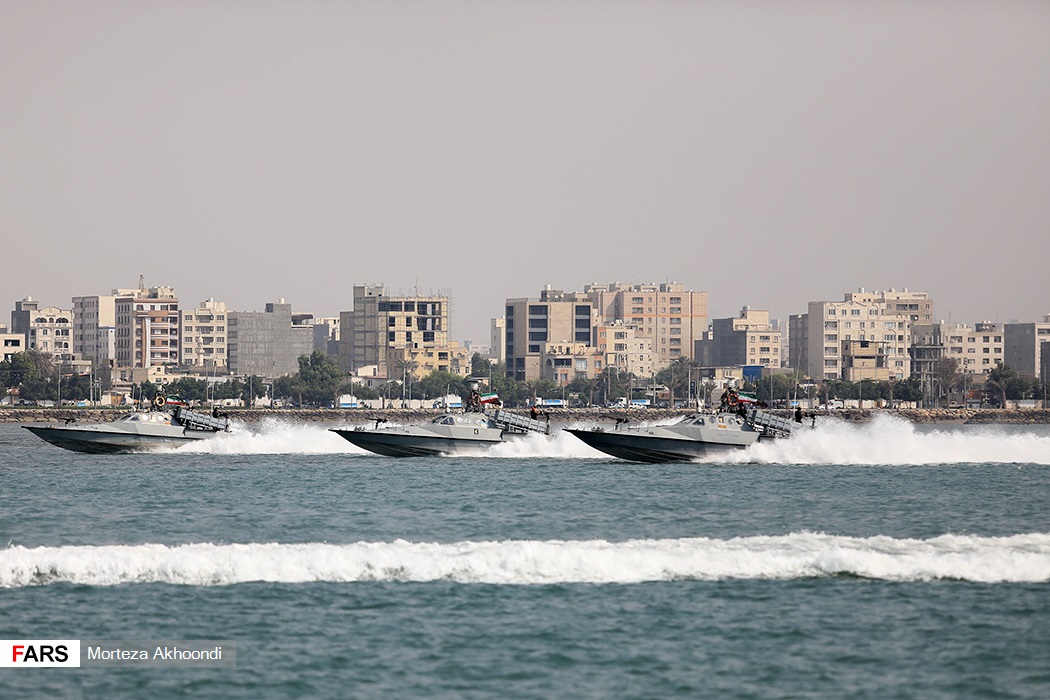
{"points": [[561, 415]]}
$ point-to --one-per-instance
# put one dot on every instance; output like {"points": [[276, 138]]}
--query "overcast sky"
{"points": [[770, 153]]}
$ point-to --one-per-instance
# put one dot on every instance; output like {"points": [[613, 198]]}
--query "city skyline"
{"points": [[770, 154]]}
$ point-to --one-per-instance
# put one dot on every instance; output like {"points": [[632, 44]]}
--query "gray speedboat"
{"points": [[134, 432], [472, 432], [691, 437]]}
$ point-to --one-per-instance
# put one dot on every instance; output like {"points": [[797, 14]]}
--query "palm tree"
{"points": [[999, 378], [44, 363], [407, 366]]}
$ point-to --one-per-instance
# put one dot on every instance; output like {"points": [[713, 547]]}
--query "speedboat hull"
{"points": [[637, 447], [94, 441], [404, 444], [699, 436], [134, 432]]}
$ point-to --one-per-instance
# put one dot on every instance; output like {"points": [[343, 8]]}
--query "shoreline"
{"points": [[985, 416]]}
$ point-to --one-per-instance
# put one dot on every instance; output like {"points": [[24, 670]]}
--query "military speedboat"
{"points": [[692, 437], [136, 431], [471, 432]]}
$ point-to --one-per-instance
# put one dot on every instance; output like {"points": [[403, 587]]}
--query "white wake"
{"points": [[891, 440], [1017, 558]]}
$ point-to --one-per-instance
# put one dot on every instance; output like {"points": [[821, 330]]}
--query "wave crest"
{"points": [[1018, 558]]}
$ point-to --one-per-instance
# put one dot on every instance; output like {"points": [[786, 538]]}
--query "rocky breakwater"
{"points": [[559, 416]]}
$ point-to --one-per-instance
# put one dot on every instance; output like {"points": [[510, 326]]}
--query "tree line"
{"points": [[320, 381]]}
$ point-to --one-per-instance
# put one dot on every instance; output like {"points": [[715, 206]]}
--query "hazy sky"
{"points": [[770, 153]]}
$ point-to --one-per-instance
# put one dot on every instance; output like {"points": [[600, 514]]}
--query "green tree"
{"points": [[480, 366], [439, 382], [1001, 380], [320, 377], [676, 376], [585, 388], [188, 389], [20, 368]]}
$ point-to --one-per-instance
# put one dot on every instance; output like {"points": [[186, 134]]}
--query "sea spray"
{"points": [[1017, 558], [888, 440], [274, 436]]}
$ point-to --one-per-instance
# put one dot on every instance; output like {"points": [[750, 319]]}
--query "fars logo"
{"points": [[36, 653]]}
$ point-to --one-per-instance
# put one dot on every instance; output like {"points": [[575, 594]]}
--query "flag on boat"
{"points": [[489, 398], [748, 398]]}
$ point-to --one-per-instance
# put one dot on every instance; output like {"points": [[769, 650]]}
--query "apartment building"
{"points": [[95, 327], [975, 349], [47, 329], [916, 306], [671, 316], [205, 335], [384, 330], [1024, 346], [830, 327], [748, 339], [147, 327], [532, 323], [622, 348], [268, 343]]}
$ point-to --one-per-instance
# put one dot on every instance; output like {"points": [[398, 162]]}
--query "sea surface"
{"points": [[881, 560]]}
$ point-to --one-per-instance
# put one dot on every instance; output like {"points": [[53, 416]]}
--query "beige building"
{"points": [[47, 329], [10, 344], [95, 327], [147, 327], [748, 339], [864, 359], [385, 330], [916, 306], [976, 349], [561, 363], [532, 323], [623, 349], [205, 335], [498, 340], [830, 325], [670, 315]]}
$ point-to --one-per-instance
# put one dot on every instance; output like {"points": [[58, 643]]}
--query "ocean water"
{"points": [[864, 561]]}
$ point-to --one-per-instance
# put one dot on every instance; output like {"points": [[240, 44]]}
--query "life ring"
{"points": [[159, 401], [733, 400]]}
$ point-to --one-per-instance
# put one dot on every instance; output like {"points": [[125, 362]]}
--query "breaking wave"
{"points": [[1017, 558]]}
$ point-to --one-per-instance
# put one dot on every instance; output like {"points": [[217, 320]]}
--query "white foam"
{"points": [[1018, 558], [884, 440], [892, 440], [274, 436]]}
